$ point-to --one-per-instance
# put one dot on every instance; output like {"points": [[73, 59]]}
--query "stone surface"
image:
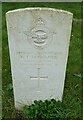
{"points": [[38, 43]]}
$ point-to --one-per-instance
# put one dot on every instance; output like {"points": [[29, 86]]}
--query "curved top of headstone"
{"points": [[39, 9], [39, 20]]}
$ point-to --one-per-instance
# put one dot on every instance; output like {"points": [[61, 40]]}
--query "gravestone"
{"points": [[38, 42]]}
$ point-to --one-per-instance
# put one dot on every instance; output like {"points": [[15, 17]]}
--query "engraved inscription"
{"points": [[48, 58]]}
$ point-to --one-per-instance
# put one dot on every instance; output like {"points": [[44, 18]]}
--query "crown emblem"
{"points": [[40, 21]]}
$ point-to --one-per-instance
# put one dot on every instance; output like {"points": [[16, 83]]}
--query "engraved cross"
{"points": [[39, 78]]}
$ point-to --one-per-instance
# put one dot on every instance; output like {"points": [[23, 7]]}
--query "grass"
{"points": [[71, 105], [0, 61]]}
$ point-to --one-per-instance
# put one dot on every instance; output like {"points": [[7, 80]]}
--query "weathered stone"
{"points": [[38, 42]]}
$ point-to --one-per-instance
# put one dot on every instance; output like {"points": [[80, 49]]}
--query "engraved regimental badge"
{"points": [[40, 36]]}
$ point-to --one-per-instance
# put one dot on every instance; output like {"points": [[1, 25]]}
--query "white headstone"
{"points": [[38, 43]]}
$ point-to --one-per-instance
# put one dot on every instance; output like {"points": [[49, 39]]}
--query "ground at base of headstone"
{"points": [[43, 110], [48, 109]]}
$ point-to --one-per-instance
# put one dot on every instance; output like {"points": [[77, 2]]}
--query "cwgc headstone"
{"points": [[38, 43]]}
